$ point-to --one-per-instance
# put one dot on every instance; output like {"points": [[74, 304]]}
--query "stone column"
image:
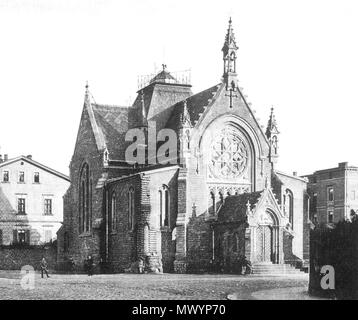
{"points": [[280, 245], [147, 247], [180, 263]]}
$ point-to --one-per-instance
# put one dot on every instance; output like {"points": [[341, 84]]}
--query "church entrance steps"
{"points": [[268, 268]]}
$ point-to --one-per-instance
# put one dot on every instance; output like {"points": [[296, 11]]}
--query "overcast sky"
{"points": [[299, 56]]}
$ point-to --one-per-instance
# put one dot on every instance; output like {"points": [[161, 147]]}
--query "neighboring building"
{"points": [[31, 201], [220, 199], [333, 193]]}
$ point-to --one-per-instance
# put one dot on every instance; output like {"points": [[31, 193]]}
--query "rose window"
{"points": [[228, 155]]}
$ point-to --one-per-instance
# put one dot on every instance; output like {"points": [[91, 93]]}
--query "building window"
{"points": [[314, 203], [66, 241], [330, 192], [5, 176], [131, 211], [330, 216], [113, 212], [21, 236], [289, 206], [36, 177], [21, 206], [85, 205], [235, 240], [48, 207], [164, 206], [21, 176], [212, 203]]}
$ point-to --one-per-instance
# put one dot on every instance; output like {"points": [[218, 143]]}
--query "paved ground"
{"points": [[150, 286]]}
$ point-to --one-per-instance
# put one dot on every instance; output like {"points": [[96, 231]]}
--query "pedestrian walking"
{"points": [[43, 267]]}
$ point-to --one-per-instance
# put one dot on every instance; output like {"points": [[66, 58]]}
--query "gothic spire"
{"points": [[272, 136], [271, 125], [185, 116], [229, 56], [87, 95], [144, 113]]}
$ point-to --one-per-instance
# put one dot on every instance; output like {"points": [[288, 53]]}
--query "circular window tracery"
{"points": [[228, 155]]}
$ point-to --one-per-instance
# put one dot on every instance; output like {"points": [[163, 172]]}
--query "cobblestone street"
{"points": [[147, 286]]}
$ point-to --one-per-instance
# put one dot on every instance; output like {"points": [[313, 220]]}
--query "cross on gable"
{"points": [[231, 95]]}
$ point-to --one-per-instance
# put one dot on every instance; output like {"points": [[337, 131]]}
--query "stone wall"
{"points": [[15, 258]]}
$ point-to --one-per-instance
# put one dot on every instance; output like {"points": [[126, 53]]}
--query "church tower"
{"points": [[229, 56], [272, 136]]}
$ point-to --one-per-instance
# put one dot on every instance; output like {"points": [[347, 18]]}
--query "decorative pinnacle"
{"points": [[87, 95], [164, 66]]}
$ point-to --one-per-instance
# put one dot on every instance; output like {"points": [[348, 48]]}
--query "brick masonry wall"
{"points": [[300, 240], [80, 246], [124, 242]]}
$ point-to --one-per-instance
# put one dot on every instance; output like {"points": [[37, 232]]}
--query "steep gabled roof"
{"points": [[6, 210], [36, 164], [196, 105], [109, 124], [235, 207]]}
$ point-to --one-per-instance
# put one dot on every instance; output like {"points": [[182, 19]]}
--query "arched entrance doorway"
{"points": [[268, 238]]}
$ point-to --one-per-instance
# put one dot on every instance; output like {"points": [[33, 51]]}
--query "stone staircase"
{"points": [[268, 268]]}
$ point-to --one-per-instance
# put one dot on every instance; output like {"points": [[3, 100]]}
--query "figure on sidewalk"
{"points": [[43, 268]]}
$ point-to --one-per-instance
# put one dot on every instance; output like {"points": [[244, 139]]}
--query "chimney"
{"points": [[29, 156], [343, 165], [6, 157], [295, 173]]}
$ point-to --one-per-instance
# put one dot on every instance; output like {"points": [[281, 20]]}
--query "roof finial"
{"points": [[185, 116], [230, 21], [87, 96], [164, 66]]}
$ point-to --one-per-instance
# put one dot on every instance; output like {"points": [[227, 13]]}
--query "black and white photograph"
{"points": [[178, 150]]}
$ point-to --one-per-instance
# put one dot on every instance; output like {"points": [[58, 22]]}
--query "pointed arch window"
{"points": [[131, 210], [289, 206], [212, 203], [164, 202], [113, 220], [85, 203], [235, 242]]}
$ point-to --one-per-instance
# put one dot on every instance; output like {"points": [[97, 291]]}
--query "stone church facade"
{"points": [[222, 198]]}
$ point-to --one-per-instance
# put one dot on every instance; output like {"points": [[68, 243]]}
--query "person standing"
{"points": [[43, 267], [89, 263]]}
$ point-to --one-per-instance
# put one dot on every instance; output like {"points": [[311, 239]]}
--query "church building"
{"points": [[220, 199]]}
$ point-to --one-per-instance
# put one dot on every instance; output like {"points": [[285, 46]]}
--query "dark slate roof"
{"points": [[165, 77], [113, 123], [196, 105], [234, 207], [7, 212]]}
